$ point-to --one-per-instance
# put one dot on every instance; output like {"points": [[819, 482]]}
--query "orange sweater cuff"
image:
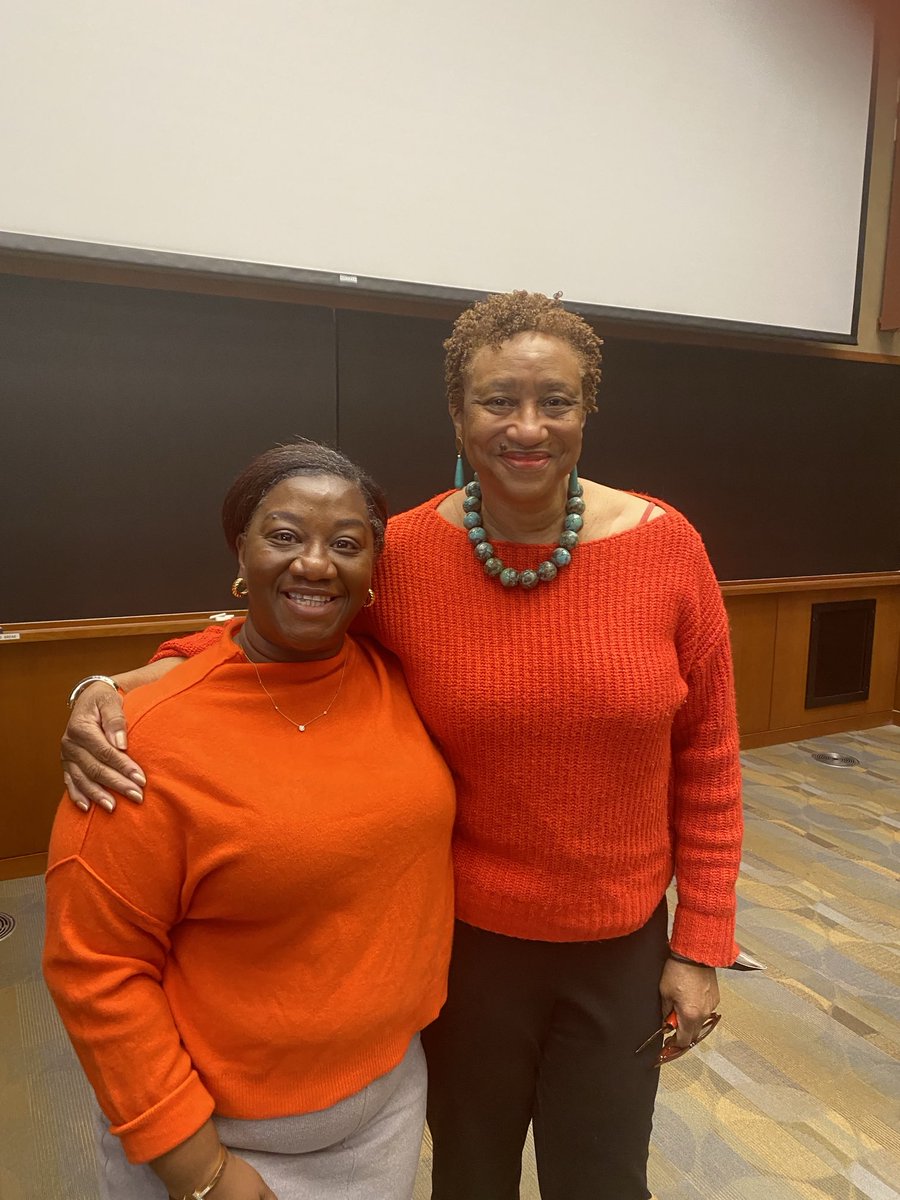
{"points": [[705, 938], [167, 1124]]}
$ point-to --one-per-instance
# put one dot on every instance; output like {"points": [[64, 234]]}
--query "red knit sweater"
{"points": [[267, 932], [590, 725]]}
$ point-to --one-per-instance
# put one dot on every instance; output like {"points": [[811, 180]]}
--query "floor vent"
{"points": [[829, 758], [7, 925]]}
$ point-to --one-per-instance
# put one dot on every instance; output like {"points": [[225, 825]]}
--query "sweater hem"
{"points": [[530, 925], [243, 1098]]}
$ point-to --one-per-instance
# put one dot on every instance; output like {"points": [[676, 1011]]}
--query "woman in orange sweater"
{"points": [[567, 646], [245, 964]]}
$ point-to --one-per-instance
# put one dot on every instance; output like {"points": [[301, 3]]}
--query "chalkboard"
{"points": [[125, 414], [127, 411], [788, 465]]}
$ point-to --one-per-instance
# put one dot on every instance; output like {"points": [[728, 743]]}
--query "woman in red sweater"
{"points": [[567, 646], [245, 964]]}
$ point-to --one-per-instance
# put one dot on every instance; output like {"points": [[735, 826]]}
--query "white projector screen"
{"points": [[704, 159]]}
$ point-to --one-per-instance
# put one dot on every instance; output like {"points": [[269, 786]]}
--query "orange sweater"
{"points": [[590, 725], [267, 932]]}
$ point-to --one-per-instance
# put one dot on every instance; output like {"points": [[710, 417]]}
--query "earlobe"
{"points": [[456, 418]]}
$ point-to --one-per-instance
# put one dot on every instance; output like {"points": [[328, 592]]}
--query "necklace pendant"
{"points": [[301, 729]]}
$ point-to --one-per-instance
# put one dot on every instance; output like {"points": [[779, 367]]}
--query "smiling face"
{"points": [[522, 414], [307, 556]]}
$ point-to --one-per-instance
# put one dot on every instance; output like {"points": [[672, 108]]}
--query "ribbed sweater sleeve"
{"points": [[707, 823], [189, 646]]}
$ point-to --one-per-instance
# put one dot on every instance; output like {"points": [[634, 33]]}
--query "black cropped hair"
{"points": [[302, 457]]}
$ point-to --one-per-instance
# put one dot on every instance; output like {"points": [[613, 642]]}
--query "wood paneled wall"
{"points": [[770, 635], [36, 674], [770, 627]]}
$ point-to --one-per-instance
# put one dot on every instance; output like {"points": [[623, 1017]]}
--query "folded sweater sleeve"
{"points": [[707, 816], [190, 646], [111, 901]]}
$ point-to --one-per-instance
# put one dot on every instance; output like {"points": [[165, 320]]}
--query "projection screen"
{"points": [[702, 160]]}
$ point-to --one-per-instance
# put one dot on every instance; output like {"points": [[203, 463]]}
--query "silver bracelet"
{"points": [[83, 683], [691, 962]]}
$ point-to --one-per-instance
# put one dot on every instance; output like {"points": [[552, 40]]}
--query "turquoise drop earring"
{"points": [[459, 478]]}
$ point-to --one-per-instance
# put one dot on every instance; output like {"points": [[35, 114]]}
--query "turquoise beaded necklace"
{"points": [[543, 572]]}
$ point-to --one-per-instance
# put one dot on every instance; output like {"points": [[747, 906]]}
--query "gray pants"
{"points": [[365, 1147]]}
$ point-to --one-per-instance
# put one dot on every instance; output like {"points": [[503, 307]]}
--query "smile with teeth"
{"points": [[310, 599]]}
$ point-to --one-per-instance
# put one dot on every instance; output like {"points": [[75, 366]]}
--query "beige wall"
{"points": [[871, 339]]}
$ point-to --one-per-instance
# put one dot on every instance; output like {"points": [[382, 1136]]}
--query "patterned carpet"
{"points": [[797, 1094]]}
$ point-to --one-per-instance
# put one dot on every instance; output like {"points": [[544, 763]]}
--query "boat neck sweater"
{"points": [[590, 725], [267, 932]]}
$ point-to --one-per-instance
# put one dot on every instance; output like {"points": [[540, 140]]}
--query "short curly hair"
{"points": [[491, 321]]}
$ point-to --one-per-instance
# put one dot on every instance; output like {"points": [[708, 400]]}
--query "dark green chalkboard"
{"points": [[126, 412], [125, 415]]}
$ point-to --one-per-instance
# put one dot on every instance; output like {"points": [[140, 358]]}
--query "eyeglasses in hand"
{"points": [[670, 1050]]}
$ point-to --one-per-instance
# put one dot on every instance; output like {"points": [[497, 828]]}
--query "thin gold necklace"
{"points": [[325, 711]]}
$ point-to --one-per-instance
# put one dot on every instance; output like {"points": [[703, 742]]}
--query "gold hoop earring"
{"points": [[239, 588], [371, 599]]}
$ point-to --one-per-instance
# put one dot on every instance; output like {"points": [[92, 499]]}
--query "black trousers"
{"points": [[545, 1032]]}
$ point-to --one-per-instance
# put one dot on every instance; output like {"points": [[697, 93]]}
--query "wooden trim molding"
{"points": [[801, 733], [22, 865], [107, 627], [810, 583]]}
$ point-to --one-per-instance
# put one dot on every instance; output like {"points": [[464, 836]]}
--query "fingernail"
{"points": [[138, 777], [120, 740], [134, 795], [83, 805], [107, 802]]}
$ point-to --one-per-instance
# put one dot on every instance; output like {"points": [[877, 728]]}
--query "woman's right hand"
{"points": [[93, 758]]}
